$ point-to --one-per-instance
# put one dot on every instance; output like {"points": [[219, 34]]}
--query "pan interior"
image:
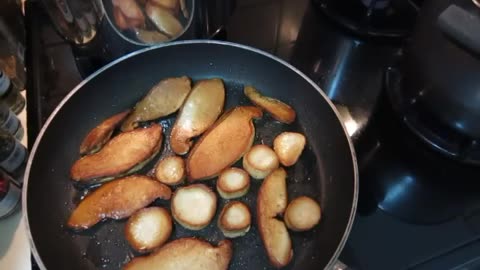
{"points": [[324, 172]]}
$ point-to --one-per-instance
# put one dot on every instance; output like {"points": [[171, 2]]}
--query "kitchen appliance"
{"points": [[92, 28], [439, 89], [329, 155], [352, 69]]}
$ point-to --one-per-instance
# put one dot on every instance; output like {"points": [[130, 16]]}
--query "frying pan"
{"points": [[326, 171]]}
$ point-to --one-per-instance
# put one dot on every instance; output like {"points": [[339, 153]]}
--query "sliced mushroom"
{"points": [[117, 200], [183, 7], [260, 161], [169, 4], [279, 110], [235, 219], [186, 254], [201, 109], [223, 144], [163, 20], [120, 19], [163, 99], [289, 147], [148, 228], [100, 135], [271, 202], [125, 153], [302, 214], [150, 37], [131, 12], [170, 170], [194, 206], [233, 183]]}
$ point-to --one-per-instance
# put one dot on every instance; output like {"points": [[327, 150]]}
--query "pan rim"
{"points": [[333, 260]]}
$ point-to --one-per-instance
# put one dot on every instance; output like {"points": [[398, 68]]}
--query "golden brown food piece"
{"points": [[171, 170], [131, 12], [235, 219], [120, 19], [279, 110], [163, 99], [100, 135], [194, 206], [289, 147], [183, 7], [116, 200], [125, 153], [302, 214], [201, 109], [173, 5], [271, 202], [163, 20], [223, 144], [150, 37], [260, 161], [233, 183], [148, 228], [186, 254]]}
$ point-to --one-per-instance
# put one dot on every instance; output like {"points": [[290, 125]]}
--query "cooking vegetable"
{"points": [[302, 214], [171, 170], [223, 144], [125, 153], [235, 219], [201, 109], [173, 5], [148, 228], [117, 200], [163, 20], [279, 110], [163, 99], [120, 19], [131, 12], [186, 254], [233, 183], [100, 135], [194, 206], [289, 147], [260, 161], [150, 37], [271, 202], [183, 7]]}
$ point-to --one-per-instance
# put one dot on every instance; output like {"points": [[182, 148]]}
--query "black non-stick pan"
{"points": [[326, 170]]}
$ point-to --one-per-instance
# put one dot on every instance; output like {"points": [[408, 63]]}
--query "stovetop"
{"points": [[417, 210]]}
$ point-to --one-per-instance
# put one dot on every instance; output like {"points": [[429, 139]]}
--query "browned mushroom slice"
{"points": [[271, 202], [120, 19], [163, 19], [302, 214], [125, 153], [131, 12], [183, 7], [279, 110], [173, 5], [148, 228], [201, 109], [163, 99], [116, 200], [150, 37], [100, 135], [234, 220], [186, 254], [224, 144]]}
